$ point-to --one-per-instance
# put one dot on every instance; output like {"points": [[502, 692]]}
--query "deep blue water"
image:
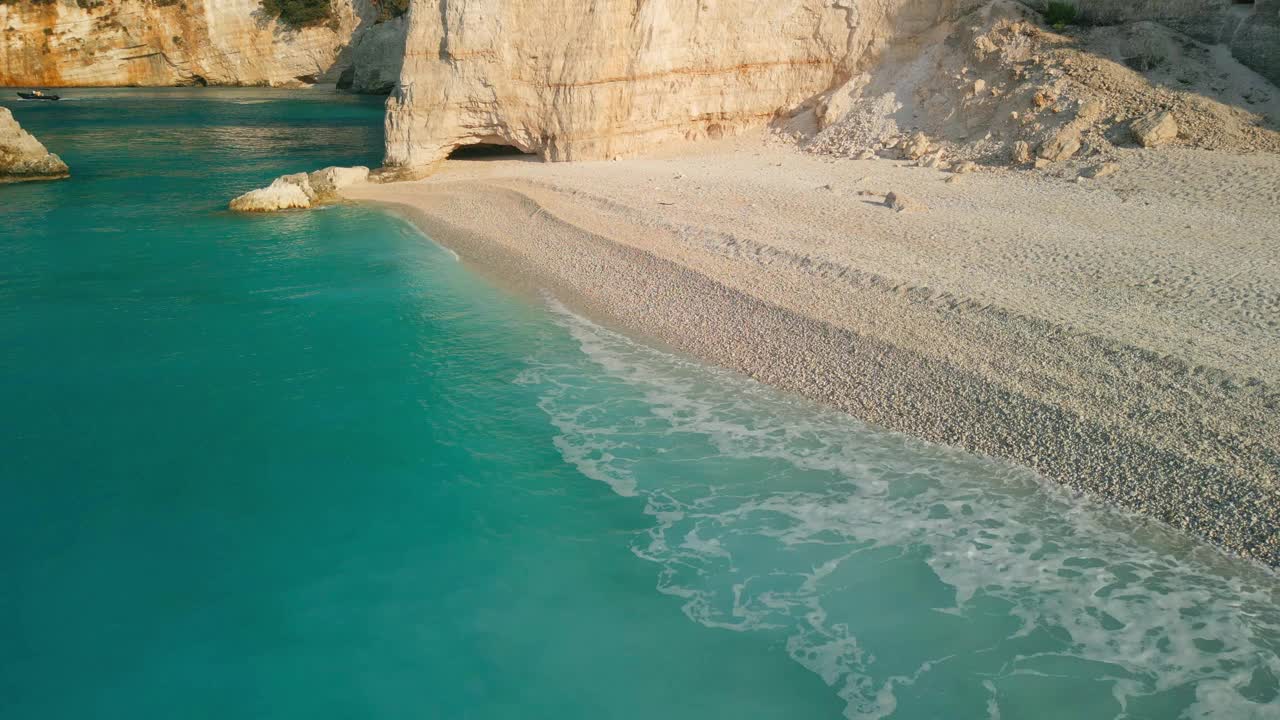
{"points": [[308, 465]]}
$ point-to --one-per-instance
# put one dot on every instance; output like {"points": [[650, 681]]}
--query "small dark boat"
{"points": [[38, 95]]}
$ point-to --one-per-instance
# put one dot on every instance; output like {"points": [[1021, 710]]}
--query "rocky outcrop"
{"points": [[22, 157], [301, 190], [60, 43], [569, 80]]}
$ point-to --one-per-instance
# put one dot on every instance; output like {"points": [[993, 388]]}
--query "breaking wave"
{"points": [[916, 580]]}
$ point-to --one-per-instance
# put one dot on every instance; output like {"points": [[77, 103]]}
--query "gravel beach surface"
{"points": [[1121, 336]]}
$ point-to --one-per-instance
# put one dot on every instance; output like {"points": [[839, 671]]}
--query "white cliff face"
{"points": [[572, 79], [569, 79], [22, 157], [139, 42]]}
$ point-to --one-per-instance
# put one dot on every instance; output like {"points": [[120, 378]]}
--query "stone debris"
{"points": [[1158, 128], [997, 87], [1064, 144], [1100, 171], [1021, 152], [903, 203], [916, 147]]}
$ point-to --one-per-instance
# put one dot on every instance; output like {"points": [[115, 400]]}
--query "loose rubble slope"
{"points": [[998, 87]]}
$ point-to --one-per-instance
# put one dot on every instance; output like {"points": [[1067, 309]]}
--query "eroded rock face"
{"points": [[65, 43], [570, 80], [22, 157]]}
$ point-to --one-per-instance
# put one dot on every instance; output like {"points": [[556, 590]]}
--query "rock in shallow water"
{"points": [[22, 157], [301, 190]]}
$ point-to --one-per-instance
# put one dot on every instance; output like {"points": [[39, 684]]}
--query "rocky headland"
{"points": [[22, 157], [82, 43]]}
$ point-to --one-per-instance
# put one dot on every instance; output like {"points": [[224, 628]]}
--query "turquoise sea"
{"points": [[311, 466]]}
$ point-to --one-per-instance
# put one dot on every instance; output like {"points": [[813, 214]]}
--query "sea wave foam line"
{"points": [[731, 471]]}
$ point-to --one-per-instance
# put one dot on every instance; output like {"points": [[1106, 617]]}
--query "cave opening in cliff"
{"points": [[487, 150]]}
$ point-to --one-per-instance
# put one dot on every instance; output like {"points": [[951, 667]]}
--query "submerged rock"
{"points": [[22, 157], [300, 191]]}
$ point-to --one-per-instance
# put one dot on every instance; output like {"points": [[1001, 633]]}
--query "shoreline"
{"points": [[1188, 439]]}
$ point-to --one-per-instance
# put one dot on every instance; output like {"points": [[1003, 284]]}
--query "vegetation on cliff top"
{"points": [[388, 9], [306, 13], [299, 13]]}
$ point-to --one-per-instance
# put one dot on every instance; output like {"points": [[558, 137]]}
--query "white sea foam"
{"points": [[765, 508]]}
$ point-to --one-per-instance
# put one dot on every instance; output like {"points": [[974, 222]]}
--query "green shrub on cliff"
{"points": [[1061, 14], [299, 13], [389, 9]]}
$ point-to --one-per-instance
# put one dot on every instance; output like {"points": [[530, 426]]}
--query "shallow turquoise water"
{"points": [[308, 465]]}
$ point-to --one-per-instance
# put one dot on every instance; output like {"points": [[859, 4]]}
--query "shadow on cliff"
{"points": [[491, 151], [370, 63]]}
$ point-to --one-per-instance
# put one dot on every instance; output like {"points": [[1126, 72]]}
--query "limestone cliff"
{"points": [[64, 43], [22, 157], [573, 80], [569, 79]]}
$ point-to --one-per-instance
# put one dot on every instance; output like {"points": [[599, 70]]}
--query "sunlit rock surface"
{"points": [[300, 191], [196, 42], [22, 157], [570, 79]]}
